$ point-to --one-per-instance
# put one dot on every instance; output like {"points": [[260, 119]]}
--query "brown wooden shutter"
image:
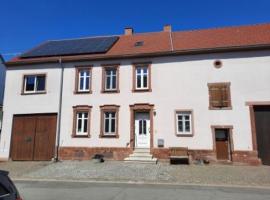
{"points": [[225, 95], [215, 96], [219, 95]]}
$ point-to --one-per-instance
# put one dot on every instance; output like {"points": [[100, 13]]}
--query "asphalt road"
{"points": [[112, 191]]}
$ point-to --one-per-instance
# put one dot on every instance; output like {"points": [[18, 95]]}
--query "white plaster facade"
{"points": [[178, 82]]}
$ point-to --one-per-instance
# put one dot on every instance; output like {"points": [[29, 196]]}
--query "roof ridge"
{"points": [[223, 27]]}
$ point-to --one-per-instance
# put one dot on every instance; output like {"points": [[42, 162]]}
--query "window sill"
{"points": [[33, 93], [184, 135], [80, 136], [142, 90], [223, 108], [108, 136], [83, 92], [110, 91]]}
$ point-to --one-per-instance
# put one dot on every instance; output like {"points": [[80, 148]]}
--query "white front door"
{"points": [[142, 130]]}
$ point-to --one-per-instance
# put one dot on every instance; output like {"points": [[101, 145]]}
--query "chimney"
{"points": [[167, 28], [128, 31]]}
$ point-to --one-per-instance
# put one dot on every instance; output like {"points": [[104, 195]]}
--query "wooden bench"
{"points": [[179, 154]]}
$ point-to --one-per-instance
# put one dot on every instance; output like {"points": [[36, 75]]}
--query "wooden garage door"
{"points": [[33, 137], [262, 123]]}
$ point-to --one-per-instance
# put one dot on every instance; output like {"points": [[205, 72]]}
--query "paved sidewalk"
{"points": [[130, 172]]}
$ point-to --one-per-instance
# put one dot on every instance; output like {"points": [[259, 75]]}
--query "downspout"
{"points": [[56, 158]]}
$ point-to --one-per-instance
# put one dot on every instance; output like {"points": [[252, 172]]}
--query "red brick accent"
{"points": [[86, 153], [248, 157], [161, 153], [202, 154], [245, 157]]}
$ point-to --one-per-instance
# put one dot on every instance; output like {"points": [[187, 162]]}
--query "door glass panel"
{"points": [[140, 127], [221, 134], [144, 127]]}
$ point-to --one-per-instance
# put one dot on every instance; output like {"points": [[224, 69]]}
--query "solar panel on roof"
{"points": [[72, 47]]}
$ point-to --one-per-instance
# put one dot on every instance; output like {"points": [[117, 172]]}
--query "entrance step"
{"points": [[141, 156]]}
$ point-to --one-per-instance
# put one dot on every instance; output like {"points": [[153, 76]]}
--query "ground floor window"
{"points": [[81, 121], [184, 123], [109, 121]]}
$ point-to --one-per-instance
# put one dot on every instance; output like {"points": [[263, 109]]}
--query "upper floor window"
{"points": [[83, 80], [34, 83], [109, 121], [219, 96], [81, 121], [110, 80], [184, 126], [142, 77]]}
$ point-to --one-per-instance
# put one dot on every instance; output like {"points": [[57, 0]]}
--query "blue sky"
{"points": [[26, 23]]}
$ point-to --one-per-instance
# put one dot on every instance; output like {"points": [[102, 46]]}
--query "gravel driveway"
{"points": [[160, 173]]}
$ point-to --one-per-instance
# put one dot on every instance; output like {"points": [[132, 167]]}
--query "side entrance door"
{"points": [[33, 137], [222, 144], [142, 130]]}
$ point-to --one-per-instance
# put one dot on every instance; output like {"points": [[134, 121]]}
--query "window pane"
{"points": [[79, 126], [106, 125], [113, 126], [180, 117], [113, 114], [114, 82], [186, 117], [145, 81], [30, 83], [180, 126], [40, 83], [85, 126], [79, 115], [108, 82], [138, 81], [107, 114], [145, 70], [87, 83], [85, 115], [187, 126], [81, 83]]}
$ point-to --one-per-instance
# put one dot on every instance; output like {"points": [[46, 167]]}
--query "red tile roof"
{"points": [[166, 43]]}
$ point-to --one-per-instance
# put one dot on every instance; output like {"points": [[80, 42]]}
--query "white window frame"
{"points": [[83, 118], [84, 77], [110, 118], [141, 74], [111, 75], [183, 114], [35, 84]]}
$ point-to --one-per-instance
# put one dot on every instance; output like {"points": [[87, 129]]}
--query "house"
{"points": [[2, 86], [205, 90]]}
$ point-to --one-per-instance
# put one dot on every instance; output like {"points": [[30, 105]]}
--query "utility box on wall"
{"points": [[160, 142]]}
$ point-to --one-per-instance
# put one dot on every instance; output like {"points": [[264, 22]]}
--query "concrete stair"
{"points": [[141, 155]]}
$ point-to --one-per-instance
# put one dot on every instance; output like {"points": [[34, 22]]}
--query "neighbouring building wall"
{"points": [[2, 79], [178, 82], [16, 103], [2, 86]]}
